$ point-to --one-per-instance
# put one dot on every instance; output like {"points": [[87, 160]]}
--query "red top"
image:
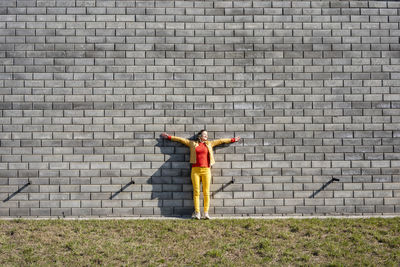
{"points": [[202, 158]]}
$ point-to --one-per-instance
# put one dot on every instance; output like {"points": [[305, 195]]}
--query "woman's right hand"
{"points": [[165, 135]]}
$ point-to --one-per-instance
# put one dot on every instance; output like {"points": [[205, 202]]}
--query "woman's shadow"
{"points": [[171, 183]]}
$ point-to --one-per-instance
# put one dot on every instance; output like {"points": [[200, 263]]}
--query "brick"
{"points": [[244, 210], [285, 210], [306, 210], [265, 210], [19, 212], [40, 212], [224, 210], [233, 202], [143, 211]]}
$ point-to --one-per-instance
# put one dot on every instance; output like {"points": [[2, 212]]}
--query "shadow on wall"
{"points": [[171, 183], [17, 192], [324, 186]]}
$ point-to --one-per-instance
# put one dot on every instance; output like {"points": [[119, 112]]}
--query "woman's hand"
{"points": [[165, 135], [237, 138]]}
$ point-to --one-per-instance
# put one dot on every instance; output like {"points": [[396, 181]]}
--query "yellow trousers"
{"points": [[204, 175]]}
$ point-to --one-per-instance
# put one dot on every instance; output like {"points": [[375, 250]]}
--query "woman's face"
{"points": [[204, 136]]}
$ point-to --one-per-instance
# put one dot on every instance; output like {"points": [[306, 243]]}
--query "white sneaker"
{"points": [[206, 216], [196, 215]]}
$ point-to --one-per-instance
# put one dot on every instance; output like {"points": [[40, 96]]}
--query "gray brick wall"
{"points": [[86, 88]]}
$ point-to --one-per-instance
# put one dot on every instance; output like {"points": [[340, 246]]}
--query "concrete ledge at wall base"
{"points": [[274, 217]]}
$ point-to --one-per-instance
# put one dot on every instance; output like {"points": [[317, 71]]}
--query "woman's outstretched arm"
{"points": [[224, 141], [184, 141]]}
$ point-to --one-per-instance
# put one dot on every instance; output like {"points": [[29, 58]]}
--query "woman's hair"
{"points": [[199, 134]]}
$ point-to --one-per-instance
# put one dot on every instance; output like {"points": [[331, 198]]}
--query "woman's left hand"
{"points": [[237, 138], [165, 135]]}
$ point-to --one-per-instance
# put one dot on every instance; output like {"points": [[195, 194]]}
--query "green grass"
{"points": [[245, 242]]}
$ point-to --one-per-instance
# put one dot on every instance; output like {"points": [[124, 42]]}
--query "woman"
{"points": [[201, 158]]}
